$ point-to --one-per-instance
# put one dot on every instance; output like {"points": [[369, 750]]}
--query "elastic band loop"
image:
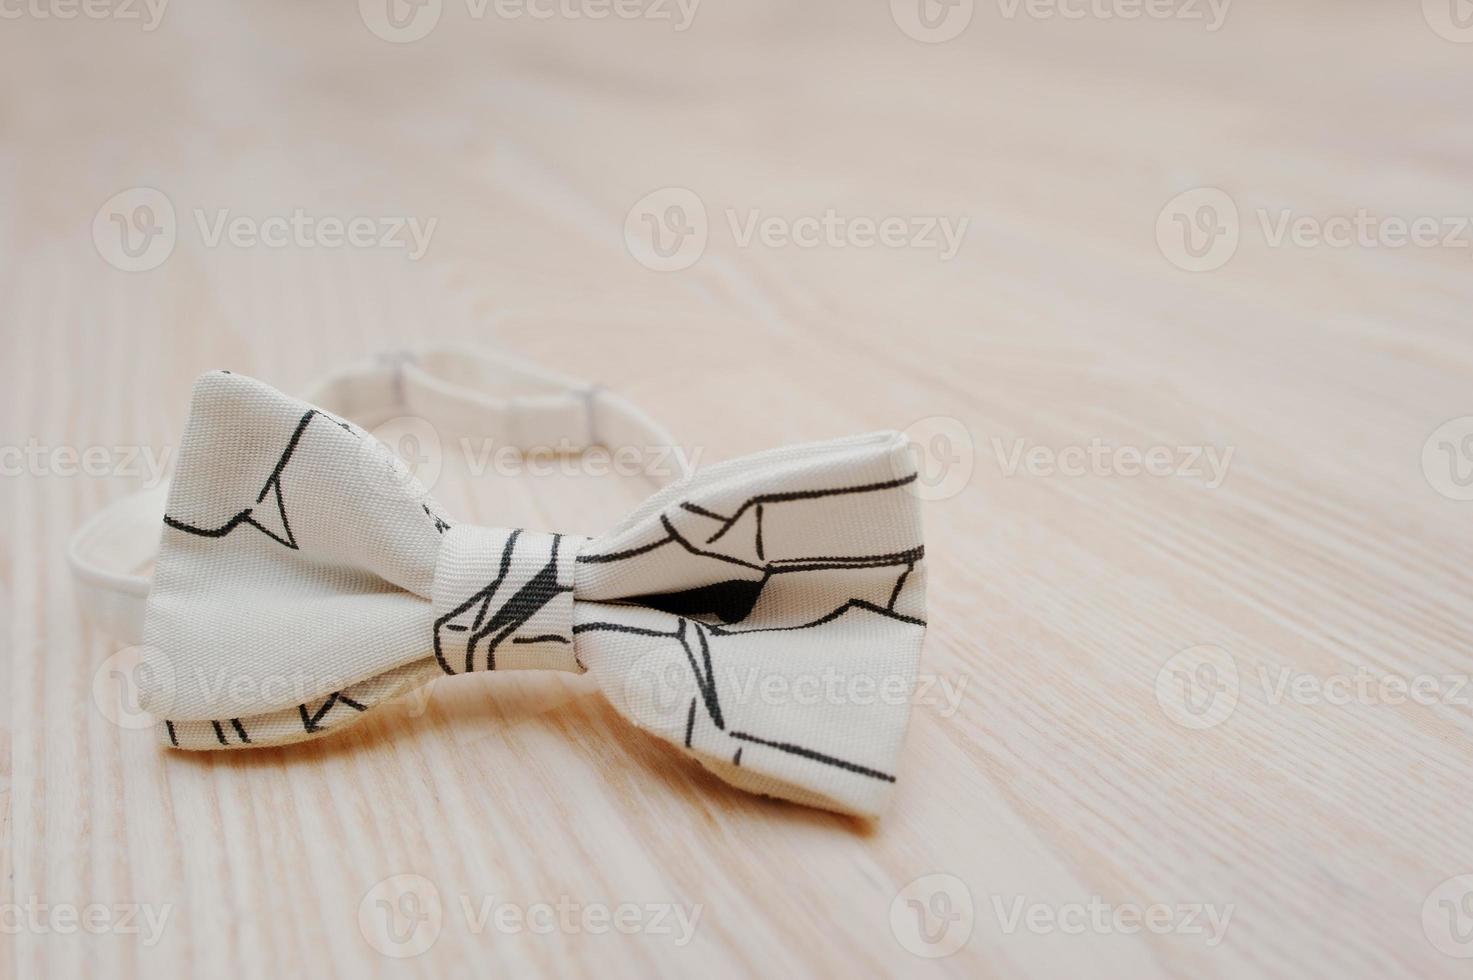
{"points": [[107, 556], [490, 396]]}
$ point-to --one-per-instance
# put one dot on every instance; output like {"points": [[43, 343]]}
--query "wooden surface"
{"points": [[1065, 778]]}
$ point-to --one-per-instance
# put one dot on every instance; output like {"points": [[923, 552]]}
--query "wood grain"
{"points": [[1063, 780]]}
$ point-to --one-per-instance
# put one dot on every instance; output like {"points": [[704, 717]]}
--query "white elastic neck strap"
{"points": [[460, 392]]}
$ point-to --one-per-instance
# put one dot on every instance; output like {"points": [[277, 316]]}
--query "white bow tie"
{"points": [[764, 614]]}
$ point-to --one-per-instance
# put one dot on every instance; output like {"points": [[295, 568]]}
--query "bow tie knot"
{"points": [[503, 600]]}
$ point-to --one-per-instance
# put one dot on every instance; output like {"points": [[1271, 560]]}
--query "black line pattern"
{"points": [[311, 723], [706, 684], [247, 515], [441, 524], [772, 498], [827, 760], [732, 601], [671, 535], [827, 617], [522, 605], [900, 584], [220, 735], [776, 566]]}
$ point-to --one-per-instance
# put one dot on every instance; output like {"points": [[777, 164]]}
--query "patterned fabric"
{"points": [[765, 614]]}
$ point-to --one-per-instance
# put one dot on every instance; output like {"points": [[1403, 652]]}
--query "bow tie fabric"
{"points": [[764, 615]]}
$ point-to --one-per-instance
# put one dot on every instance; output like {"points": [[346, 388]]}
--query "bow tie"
{"points": [[764, 615]]}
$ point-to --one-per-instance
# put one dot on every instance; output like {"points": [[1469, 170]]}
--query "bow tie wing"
{"points": [[297, 558], [767, 616]]}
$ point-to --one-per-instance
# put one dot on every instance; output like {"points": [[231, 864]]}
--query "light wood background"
{"points": [[1056, 601]]}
